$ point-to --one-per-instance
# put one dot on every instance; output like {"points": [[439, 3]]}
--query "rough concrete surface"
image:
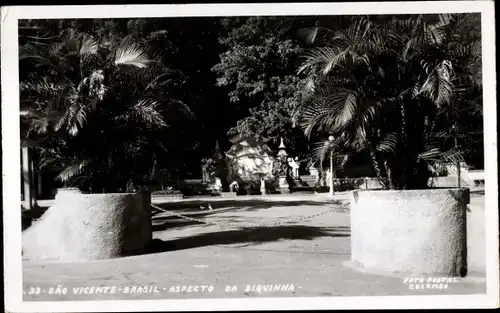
{"points": [[84, 227], [310, 254], [410, 231]]}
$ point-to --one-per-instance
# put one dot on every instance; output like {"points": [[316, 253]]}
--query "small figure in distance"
{"points": [[234, 187]]}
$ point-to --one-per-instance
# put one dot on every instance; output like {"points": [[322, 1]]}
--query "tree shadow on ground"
{"points": [[163, 220], [199, 207], [252, 235], [169, 222]]}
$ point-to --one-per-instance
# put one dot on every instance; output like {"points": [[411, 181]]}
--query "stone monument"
{"points": [[314, 172], [294, 167], [282, 169], [205, 176], [249, 161], [214, 171]]}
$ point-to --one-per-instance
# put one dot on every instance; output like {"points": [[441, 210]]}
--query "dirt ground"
{"points": [[191, 260]]}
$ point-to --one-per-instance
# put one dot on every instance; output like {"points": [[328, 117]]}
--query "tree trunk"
{"points": [[376, 166], [459, 174], [389, 176]]}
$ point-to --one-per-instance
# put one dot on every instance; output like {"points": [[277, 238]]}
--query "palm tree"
{"points": [[95, 107], [390, 87]]}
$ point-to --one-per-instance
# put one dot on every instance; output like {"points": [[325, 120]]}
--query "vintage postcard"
{"points": [[251, 156]]}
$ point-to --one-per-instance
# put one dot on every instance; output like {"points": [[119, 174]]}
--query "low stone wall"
{"points": [[410, 231], [168, 196], [370, 183], [228, 194], [85, 227], [445, 182]]}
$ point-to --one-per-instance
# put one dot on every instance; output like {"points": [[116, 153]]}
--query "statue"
{"points": [[262, 186], [234, 187], [207, 169], [281, 171], [313, 171], [218, 185], [294, 167], [205, 177]]}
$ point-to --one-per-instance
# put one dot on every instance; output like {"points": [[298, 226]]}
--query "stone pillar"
{"points": [[410, 232], [88, 227]]}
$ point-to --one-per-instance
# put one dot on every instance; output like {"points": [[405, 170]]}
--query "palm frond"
{"points": [[388, 144], [432, 154], [72, 120], [38, 125], [158, 34], [182, 108], [146, 111], [453, 155], [156, 81], [436, 34], [41, 86], [445, 19], [63, 120], [438, 86], [308, 35], [131, 54], [330, 111], [360, 33], [73, 170], [412, 44], [88, 46], [324, 150], [436, 155], [28, 51], [360, 138], [310, 84]]}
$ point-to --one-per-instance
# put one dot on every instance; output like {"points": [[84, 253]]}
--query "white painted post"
{"points": [[32, 182], [26, 170], [331, 175]]}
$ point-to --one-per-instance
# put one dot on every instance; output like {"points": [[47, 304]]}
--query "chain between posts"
{"points": [[335, 209]]}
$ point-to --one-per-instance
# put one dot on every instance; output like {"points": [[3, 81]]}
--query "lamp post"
{"points": [[331, 139]]}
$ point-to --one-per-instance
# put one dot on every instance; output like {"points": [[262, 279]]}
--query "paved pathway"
{"points": [[307, 259]]}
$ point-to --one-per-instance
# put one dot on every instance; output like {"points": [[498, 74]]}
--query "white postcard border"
{"points": [[11, 155]]}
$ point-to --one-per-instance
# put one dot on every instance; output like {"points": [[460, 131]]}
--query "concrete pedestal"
{"points": [[85, 227], [410, 231]]}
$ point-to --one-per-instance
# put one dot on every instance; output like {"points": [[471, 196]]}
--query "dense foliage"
{"points": [[397, 90], [113, 103], [94, 99], [259, 69]]}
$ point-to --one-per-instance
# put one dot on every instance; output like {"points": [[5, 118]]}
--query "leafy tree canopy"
{"points": [[157, 93]]}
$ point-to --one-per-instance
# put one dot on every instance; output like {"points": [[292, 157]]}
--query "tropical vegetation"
{"points": [[93, 106], [403, 92], [109, 105]]}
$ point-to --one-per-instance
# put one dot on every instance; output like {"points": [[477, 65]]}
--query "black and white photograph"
{"points": [[250, 156]]}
